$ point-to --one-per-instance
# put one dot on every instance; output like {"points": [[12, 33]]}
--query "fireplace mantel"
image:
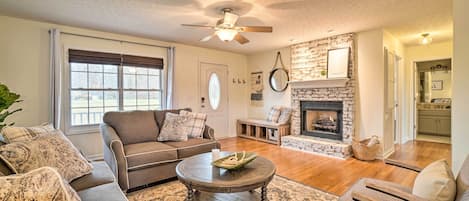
{"points": [[321, 83]]}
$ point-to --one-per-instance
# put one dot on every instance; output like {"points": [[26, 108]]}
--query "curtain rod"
{"points": [[110, 39]]}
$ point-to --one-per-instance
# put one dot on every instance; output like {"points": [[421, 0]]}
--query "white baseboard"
{"points": [[388, 153]]}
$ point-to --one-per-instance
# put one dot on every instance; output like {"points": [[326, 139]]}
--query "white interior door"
{"points": [[390, 103], [214, 96]]}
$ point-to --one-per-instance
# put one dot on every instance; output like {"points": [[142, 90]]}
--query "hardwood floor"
{"points": [[421, 153], [336, 175]]}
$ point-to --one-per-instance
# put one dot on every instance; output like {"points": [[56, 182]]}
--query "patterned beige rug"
{"points": [[279, 189]]}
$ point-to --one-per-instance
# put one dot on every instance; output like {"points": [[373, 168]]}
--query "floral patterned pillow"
{"points": [[17, 134], [53, 150], [42, 184], [174, 128]]}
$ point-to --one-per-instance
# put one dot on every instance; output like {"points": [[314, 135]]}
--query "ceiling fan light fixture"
{"points": [[226, 34]]}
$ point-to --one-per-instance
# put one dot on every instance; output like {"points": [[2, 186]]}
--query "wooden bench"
{"points": [[262, 130]]}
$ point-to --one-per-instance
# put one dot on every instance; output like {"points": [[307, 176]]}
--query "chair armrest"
{"points": [[209, 133], [114, 155], [364, 196], [391, 190], [402, 165]]}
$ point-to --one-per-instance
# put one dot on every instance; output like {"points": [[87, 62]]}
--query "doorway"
{"points": [[213, 100], [432, 105]]}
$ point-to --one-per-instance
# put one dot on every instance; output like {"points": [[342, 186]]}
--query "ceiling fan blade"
{"points": [[230, 19], [255, 29], [241, 39], [198, 26], [207, 38]]}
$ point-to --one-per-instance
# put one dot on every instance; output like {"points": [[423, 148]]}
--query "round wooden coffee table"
{"points": [[197, 173]]}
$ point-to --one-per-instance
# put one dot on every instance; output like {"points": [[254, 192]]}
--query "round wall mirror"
{"points": [[278, 79]]}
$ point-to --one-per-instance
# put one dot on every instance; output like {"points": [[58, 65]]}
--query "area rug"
{"points": [[279, 189]]}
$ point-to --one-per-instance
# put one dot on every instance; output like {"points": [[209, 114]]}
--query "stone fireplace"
{"points": [[322, 119], [323, 108]]}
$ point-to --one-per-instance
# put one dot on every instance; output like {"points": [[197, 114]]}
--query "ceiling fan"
{"points": [[226, 28]]}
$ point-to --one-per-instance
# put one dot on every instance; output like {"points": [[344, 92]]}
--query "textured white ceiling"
{"points": [[301, 20]]}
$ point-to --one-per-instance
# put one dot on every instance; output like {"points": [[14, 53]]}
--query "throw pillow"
{"points": [[53, 150], [195, 124], [42, 184], [174, 128], [435, 182], [274, 114], [17, 134], [285, 115]]}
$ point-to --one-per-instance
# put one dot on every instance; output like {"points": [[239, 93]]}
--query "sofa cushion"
{"points": [[109, 191], [133, 126], [54, 150], [42, 184], [160, 115], [148, 154], [193, 147], [101, 174], [435, 182], [462, 181]]}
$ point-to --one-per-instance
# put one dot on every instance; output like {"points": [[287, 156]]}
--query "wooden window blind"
{"points": [[91, 57], [139, 61]]}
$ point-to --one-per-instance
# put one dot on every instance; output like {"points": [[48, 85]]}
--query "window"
{"points": [[142, 88], [214, 91], [98, 85]]}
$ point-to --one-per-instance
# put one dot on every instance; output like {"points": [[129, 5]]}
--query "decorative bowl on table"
{"points": [[235, 160]]}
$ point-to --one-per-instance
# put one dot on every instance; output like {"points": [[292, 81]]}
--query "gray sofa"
{"points": [[100, 185], [134, 154]]}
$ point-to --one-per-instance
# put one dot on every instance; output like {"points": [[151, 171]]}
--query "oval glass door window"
{"points": [[214, 91]]}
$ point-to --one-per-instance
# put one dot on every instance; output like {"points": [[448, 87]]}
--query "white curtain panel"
{"points": [[55, 78], [169, 78]]}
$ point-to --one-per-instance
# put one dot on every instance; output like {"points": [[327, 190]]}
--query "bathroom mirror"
{"points": [[278, 79]]}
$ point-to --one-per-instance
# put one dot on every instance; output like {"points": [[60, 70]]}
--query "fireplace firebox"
{"points": [[322, 119]]}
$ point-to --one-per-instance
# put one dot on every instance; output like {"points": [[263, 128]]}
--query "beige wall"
{"points": [[264, 62], [412, 54], [446, 77], [370, 91], [24, 67], [460, 134]]}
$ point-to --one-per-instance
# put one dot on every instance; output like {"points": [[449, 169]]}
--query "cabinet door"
{"points": [[444, 126], [427, 125]]}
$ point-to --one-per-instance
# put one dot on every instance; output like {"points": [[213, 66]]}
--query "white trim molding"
{"points": [[322, 83]]}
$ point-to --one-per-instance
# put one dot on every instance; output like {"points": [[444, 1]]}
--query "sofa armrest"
{"points": [[209, 133], [114, 155]]}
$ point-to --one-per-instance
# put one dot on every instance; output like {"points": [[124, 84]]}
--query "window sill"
{"points": [[82, 130]]}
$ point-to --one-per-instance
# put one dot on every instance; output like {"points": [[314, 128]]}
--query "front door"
{"points": [[214, 96]]}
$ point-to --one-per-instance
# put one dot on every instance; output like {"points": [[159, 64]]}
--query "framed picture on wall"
{"points": [[337, 62], [437, 85]]}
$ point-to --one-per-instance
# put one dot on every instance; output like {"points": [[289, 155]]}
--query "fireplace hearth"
{"points": [[322, 119]]}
